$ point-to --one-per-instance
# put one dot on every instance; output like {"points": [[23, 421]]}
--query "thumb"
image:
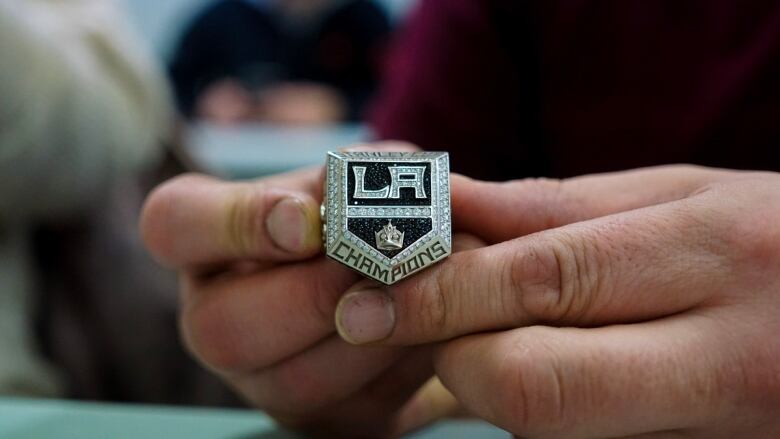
{"points": [[363, 310], [616, 269]]}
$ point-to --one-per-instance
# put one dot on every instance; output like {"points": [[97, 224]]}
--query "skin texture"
{"points": [[635, 304], [258, 300]]}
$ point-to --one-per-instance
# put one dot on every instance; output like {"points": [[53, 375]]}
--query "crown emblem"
{"points": [[387, 214], [389, 238]]}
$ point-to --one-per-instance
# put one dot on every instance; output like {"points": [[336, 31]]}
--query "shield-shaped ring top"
{"points": [[387, 214]]}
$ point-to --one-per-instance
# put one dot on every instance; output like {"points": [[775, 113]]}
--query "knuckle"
{"points": [[423, 303], [534, 274], [532, 394], [552, 200], [434, 300], [426, 303], [555, 278]]}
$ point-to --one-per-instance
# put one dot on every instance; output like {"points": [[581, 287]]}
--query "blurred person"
{"points": [[82, 106], [282, 61], [565, 88], [639, 303]]}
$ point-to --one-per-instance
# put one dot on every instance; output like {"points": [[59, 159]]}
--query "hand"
{"points": [[258, 300], [301, 104], [226, 102], [651, 306]]}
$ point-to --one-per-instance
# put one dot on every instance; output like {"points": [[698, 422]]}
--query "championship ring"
{"points": [[387, 214]]}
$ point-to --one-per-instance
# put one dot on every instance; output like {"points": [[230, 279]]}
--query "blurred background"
{"points": [[102, 100], [274, 100], [161, 24]]}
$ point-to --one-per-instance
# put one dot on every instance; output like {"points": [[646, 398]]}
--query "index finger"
{"points": [[635, 265], [617, 269], [195, 220]]}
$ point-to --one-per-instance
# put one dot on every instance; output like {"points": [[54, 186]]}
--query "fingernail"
{"points": [[288, 225], [365, 316]]}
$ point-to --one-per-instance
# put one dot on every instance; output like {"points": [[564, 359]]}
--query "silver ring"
{"points": [[387, 214]]}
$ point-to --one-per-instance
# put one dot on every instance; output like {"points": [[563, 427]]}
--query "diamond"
{"points": [[354, 219]]}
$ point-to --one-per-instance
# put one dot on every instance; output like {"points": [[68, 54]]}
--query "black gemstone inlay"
{"points": [[377, 176], [413, 228]]}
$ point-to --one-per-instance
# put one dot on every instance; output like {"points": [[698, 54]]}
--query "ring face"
{"points": [[387, 214]]}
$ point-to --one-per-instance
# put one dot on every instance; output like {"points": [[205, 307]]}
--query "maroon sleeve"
{"points": [[451, 85], [559, 88]]}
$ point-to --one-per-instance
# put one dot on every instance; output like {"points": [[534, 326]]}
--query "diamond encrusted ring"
{"points": [[387, 214]]}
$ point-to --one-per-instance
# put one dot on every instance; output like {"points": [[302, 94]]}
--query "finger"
{"points": [[629, 267], [462, 242], [365, 314], [431, 403], [371, 411], [522, 207], [605, 382], [196, 220], [326, 373], [244, 323]]}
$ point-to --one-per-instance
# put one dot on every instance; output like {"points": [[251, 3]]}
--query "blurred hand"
{"points": [[226, 102], [651, 306], [301, 104], [258, 301]]}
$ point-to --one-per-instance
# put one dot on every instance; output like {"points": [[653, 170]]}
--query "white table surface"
{"points": [[58, 419], [255, 150]]}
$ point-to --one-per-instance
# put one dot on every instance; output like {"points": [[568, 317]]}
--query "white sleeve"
{"points": [[80, 104]]}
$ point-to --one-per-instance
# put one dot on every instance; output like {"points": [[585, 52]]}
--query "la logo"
{"points": [[400, 177], [387, 214]]}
